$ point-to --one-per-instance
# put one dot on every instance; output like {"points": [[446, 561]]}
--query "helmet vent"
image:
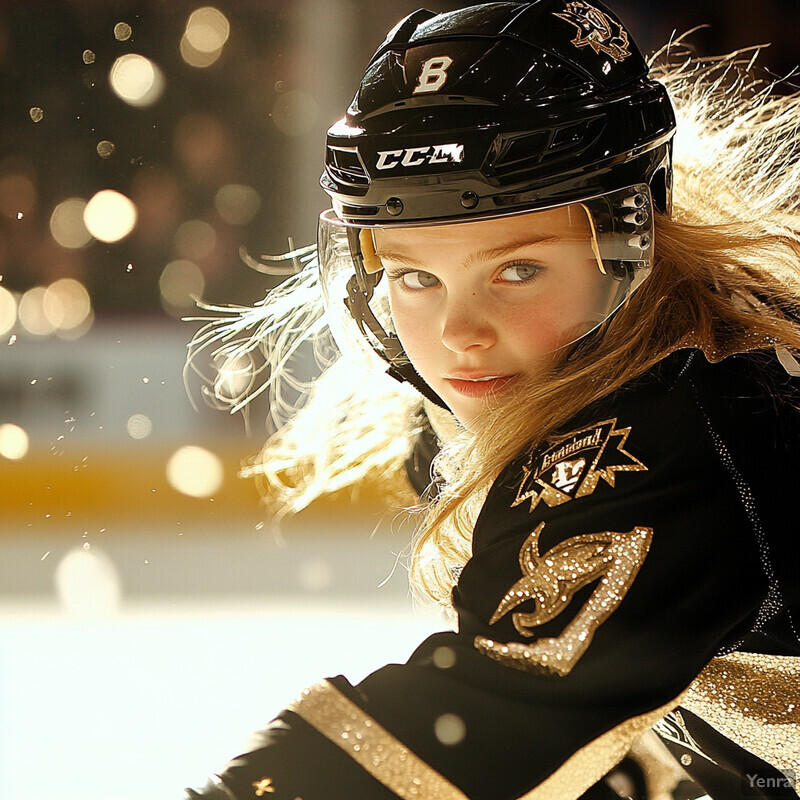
{"points": [[567, 137], [345, 166], [524, 151], [516, 151]]}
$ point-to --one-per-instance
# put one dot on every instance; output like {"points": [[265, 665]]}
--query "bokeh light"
{"points": [[88, 57], [109, 216], [315, 575], [180, 283], [67, 224], [17, 196], [105, 148], [31, 312], [139, 426], [195, 239], [444, 657], [202, 144], [236, 203], [14, 441], [295, 112], [66, 304], [36, 114], [122, 31], [136, 80], [450, 729], [87, 583], [195, 58], [8, 311], [195, 471], [207, 30]]}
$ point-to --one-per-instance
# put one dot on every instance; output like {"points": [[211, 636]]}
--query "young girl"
{"points": [[595, 398]]}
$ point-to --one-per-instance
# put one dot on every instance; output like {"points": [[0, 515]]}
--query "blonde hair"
{"points": [[726, 279]]}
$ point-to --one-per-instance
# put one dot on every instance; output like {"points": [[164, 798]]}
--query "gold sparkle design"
{"points": [[551, 581], [369, 744], [754, 700], [263, 787]]}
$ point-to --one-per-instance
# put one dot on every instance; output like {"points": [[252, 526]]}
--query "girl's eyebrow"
{"points": [[482, 255], [511, 247]]}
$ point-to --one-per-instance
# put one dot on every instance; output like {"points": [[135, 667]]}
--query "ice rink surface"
{"points": [[137, 705], [136, 667]]}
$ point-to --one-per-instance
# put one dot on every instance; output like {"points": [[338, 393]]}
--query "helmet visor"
{"points": [[591, 256]]}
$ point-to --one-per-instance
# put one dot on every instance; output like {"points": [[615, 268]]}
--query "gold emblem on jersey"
{"points": [[573, 467], [596, 30], [551, 581]]}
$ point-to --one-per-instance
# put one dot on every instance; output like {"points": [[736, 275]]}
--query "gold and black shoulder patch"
{"points": [[573, 467]]}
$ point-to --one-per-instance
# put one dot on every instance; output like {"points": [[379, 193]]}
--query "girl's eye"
{"points": [[419, 279], [519, 273]]}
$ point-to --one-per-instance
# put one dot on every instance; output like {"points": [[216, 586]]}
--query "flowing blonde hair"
{"points": [[726, 279]]}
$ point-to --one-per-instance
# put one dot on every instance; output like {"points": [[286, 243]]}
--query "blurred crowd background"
{"points": [[210, 121], [143, 146]]}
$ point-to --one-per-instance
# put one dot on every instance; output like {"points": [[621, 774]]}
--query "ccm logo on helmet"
{"points": [[415, 156]]}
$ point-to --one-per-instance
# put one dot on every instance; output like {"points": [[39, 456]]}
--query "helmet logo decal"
{"points": [[596, 30], [434, 74], [416, 156]]}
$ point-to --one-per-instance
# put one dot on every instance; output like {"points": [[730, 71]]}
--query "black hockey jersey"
{"points": [[639, 572]]}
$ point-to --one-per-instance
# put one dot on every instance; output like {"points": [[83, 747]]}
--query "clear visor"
{"points": [[588, 258]]}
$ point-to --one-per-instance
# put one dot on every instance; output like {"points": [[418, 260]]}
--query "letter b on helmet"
{"points": [[434, 74]]}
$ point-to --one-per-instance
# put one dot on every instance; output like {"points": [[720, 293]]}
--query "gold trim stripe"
{"points": [[585, 767], [369, 744], [389, 761]]}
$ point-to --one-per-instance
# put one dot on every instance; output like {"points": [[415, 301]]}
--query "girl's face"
{"points": [[479, 305]]}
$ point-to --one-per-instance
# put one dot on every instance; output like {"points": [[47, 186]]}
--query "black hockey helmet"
{"points": [[498, 109]]}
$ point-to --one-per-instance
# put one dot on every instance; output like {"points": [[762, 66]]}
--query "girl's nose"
{"points": [[466, 327]]}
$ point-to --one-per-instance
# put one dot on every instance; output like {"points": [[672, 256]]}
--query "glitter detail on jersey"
{"points": [[551, 580], [673, 729], [370, 745], [573, 467], [754, 700], [596, 30], [773, 602], [263, 787]]}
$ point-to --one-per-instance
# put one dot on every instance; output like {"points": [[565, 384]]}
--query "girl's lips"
{"points": [[482, 387]]}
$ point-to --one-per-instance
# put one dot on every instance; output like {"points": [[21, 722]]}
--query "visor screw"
{"points": [[394, 205], [469, 199]]}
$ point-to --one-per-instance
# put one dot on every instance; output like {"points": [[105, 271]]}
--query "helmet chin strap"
{"points": [[360, 289], [359, 293]]}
